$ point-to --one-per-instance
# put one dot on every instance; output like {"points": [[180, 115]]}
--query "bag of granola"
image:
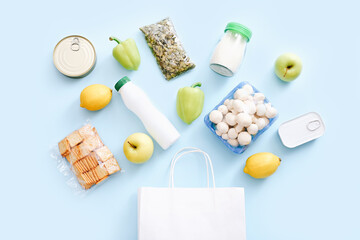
{"points": [[167, 48]]}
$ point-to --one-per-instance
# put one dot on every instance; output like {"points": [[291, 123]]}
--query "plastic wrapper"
{"points": [[84, 159], [167, 48]]}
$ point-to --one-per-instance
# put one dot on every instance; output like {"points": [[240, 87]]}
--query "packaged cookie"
{"points": [[167, 48], [89, 160]]}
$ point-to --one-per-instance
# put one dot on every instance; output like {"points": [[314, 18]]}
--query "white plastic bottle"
{"points": [[136, 100]]}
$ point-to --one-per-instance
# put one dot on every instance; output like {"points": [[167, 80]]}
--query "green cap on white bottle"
{"points": [[121, 83], [239, 28]]}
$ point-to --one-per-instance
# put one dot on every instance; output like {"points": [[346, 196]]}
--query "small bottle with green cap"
{"points": [[156, 123], [230, 51]]}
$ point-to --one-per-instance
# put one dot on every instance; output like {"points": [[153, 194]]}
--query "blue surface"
{"points": [[315, 193], [239, 149]]}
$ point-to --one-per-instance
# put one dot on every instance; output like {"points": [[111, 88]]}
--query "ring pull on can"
{"points": [[75, 45]]}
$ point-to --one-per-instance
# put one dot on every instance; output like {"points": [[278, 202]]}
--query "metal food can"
{"points": [[302, 129], [74, 56]]}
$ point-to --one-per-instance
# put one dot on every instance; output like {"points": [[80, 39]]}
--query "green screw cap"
{"points": [[121, 83], [239, 28]]}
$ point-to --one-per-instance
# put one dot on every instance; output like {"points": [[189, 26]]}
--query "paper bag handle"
{"points": [[188, 150]]}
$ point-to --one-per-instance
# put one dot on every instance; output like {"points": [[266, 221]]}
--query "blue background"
{"points": [[315, 193]]}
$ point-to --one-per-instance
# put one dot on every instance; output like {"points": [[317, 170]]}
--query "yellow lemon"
{"points": [[261, 165], [95, 97]]}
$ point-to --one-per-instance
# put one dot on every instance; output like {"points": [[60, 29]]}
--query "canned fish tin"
{"points": [[74, 56], [302, 129]]}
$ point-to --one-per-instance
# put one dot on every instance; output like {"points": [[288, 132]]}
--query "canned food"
{"points": [[74, 56], [301, 129]]}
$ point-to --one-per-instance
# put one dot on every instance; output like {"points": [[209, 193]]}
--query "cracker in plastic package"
{"points": [[167, 48], [88, 161]]}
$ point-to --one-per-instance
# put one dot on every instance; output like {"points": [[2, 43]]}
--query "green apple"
{"points": [[138, 148], [288, 67]]}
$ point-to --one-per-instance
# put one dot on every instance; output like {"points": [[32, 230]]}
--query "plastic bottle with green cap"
{"points": [[156, 123], [230, 51]]}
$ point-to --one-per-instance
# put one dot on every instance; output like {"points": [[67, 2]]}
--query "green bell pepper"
{"points": [[190, 102], [126, 53]]}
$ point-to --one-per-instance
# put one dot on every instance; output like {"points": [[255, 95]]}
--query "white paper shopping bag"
{"points": [[191, 213]]}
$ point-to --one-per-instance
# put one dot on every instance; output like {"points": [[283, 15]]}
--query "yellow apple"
{"points": [[138, 148], [288, 67]]}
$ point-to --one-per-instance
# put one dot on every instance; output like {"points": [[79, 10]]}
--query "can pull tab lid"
{"points": [[75, 44], [313, 125]]}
